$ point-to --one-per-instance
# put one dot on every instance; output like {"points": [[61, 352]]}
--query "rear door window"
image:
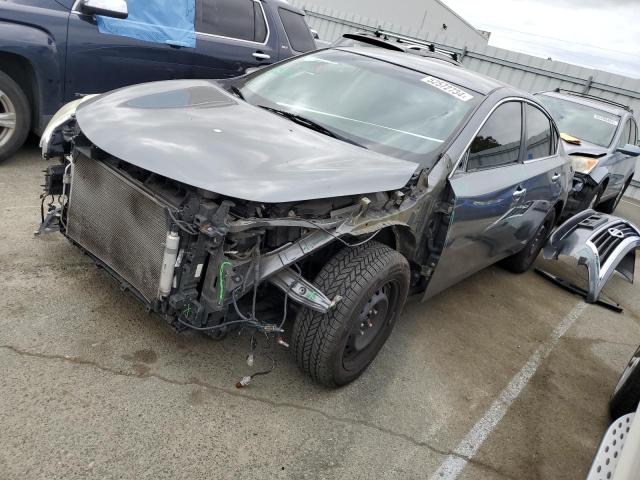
{"points": [[498, 141], [241, 19], [297, 30], [539, 134], [633, 140]]}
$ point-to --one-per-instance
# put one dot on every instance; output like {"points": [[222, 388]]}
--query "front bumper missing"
{"points": [[302, 291], [602, 243], [582, 192]]}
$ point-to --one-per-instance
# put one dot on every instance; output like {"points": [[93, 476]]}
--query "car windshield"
{"points": [[581, 121], [377, 105]]}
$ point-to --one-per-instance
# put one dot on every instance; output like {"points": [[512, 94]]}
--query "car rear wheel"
{"points": [[626, 395], [610, 205], [335, 348], [522, 261], [15, 117]]}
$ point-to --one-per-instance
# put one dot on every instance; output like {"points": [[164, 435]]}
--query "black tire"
{"points": [[595, 198], [373, 281], [626, 395], [13, 101], [522, 261], [610, 205]]}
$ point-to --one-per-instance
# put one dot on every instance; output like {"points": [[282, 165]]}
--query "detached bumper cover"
{"points": [[602, 243]]}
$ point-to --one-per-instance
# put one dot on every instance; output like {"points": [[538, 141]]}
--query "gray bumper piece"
{"points": [[602, 243]]}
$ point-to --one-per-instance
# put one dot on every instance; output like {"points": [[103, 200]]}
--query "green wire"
{"points": [[222, 265]]}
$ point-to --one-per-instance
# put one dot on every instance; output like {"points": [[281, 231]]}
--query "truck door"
{"points": [[232, 35], [99, 62], [489, 199]]}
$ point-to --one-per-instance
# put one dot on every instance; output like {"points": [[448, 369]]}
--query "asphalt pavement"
{"points": [[500, 377]]}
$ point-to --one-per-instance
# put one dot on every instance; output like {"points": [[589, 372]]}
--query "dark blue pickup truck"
{"points": [[51, 52]]}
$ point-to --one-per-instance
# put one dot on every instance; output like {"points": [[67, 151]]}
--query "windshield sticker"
{"points": [[610, 121], [447, 87]]}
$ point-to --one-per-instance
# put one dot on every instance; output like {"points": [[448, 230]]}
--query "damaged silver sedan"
{"points": [[328, 187]]}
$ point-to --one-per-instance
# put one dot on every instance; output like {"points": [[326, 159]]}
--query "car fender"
{"points": [[602, 243], [599, 175], [39, 49]]}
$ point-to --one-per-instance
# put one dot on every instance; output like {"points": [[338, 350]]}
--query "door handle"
{"points": [[261, 56], [519, 193], [556, 177]]}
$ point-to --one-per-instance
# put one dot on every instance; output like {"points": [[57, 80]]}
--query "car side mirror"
{"points": [[629, 149], [106, 8]]}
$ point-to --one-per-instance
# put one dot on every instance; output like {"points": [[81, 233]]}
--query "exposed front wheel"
{"points": [[15, 117], [335, 348]]}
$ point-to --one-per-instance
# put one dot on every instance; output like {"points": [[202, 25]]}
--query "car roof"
{"points": [[433, 66], [284, 4], [589, 102]]}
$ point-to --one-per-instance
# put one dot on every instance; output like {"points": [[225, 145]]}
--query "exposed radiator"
{"points": [[123, 226]]}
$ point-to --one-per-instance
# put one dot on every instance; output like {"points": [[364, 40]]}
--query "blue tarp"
{"points": [[161, 21]]}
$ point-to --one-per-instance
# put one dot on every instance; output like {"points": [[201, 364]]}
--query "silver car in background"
{"points": [[601, 138]]}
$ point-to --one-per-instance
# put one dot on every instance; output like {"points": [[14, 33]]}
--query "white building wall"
{"points": [[427, 16]]}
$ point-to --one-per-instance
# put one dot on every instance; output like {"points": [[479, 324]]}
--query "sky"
{"points": [[601, 34]]}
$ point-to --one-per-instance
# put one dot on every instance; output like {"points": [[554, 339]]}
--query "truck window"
{"points": [[297, 30], [241, 19]]}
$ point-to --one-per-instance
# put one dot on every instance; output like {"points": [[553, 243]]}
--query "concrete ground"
{"points": [[93, 387]]}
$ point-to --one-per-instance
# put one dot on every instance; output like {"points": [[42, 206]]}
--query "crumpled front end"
{"points": [[201, 259], [602, 243]]}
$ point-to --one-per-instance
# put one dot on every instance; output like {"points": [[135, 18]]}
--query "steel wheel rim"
{"points": [[7, 118], [375, 316]]}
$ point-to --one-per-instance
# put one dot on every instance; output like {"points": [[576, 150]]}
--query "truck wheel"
{"points": [[610, 205], [522, 261], [626, 395], [15, 117], [335, 348]]}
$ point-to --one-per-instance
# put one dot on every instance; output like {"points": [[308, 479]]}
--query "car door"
{"points": [[99, 62], [232, 35], [489, 198], [547, 172]]}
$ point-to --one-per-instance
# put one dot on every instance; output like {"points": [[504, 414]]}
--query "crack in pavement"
{"points": [[235, 393]]}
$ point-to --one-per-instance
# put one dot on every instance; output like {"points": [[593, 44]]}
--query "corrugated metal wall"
{"points": [[520, 70]]}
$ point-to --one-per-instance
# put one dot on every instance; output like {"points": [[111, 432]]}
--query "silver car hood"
{"points": [[195, 132]]}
